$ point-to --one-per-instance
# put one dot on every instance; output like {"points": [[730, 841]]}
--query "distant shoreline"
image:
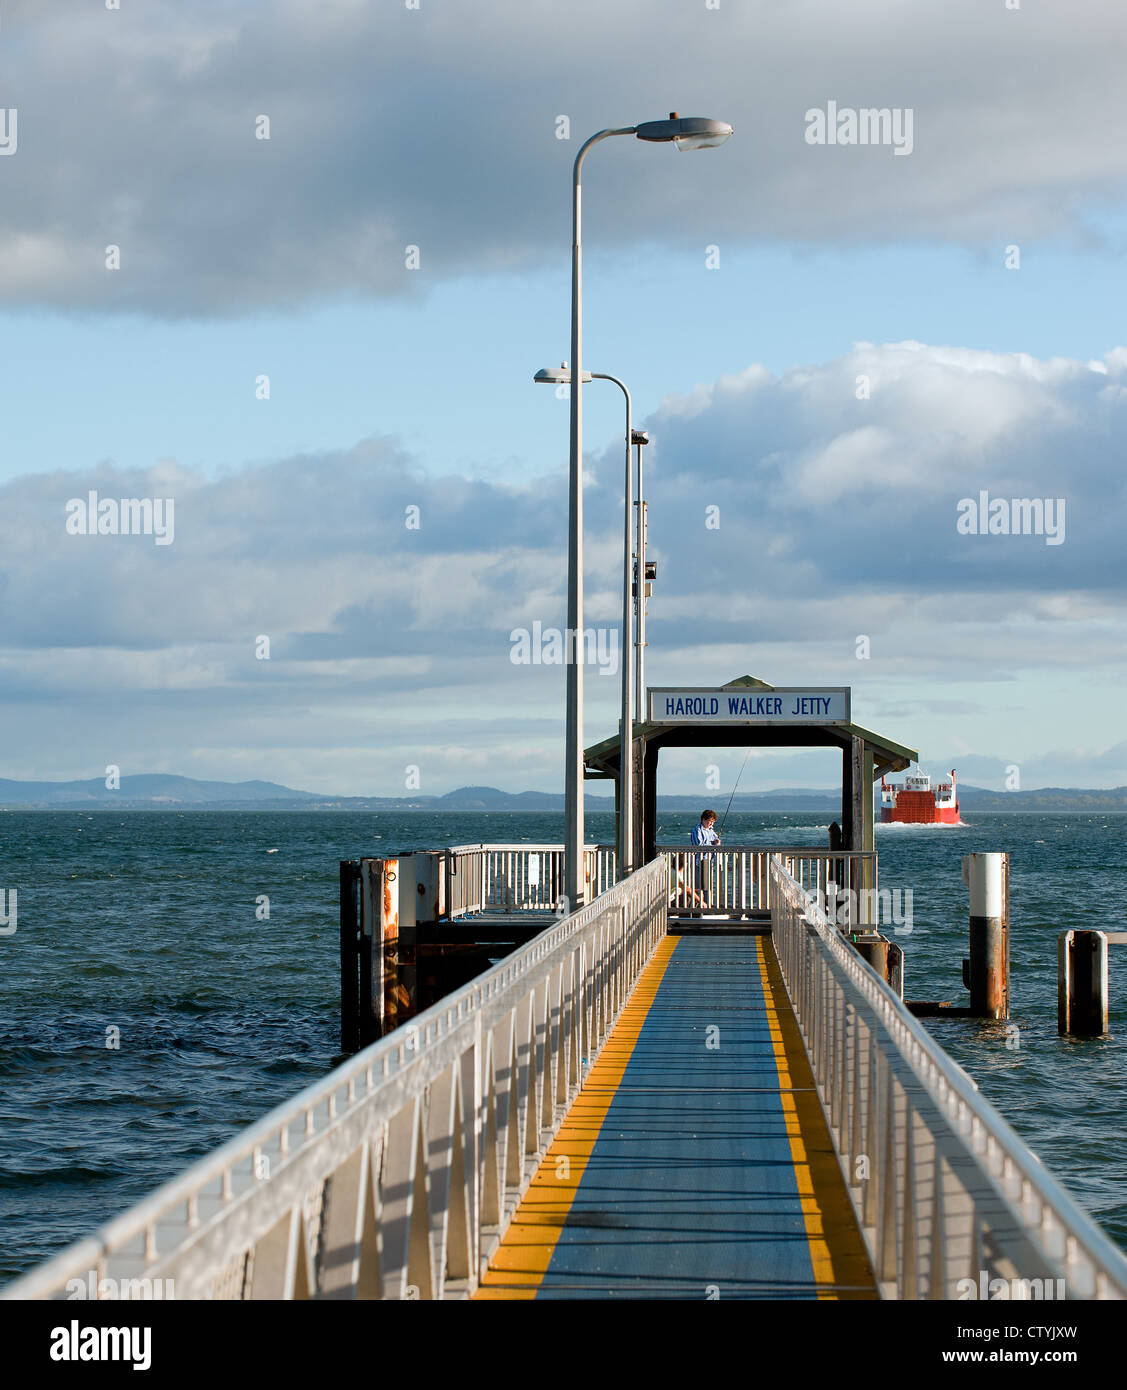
{"points": [[604, 806], [165, 791]]}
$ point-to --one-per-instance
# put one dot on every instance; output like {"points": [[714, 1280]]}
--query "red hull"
{"points": [[918, 808]]}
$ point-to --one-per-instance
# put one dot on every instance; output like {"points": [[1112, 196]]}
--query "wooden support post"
{"points": [[867, 877], [856, 808], [987, 974], [349, 956], [847, 798], [1082, 984]]}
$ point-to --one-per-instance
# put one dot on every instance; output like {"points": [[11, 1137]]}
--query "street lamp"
{"points": [[693, 132], [559, 376]]}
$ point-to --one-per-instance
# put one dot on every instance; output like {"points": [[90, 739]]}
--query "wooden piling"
{"points": [[1082, 984], [885, 957], [874, 948], [987, 974]]}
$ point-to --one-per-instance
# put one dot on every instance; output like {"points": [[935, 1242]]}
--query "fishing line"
{"points": [[732, 797]]}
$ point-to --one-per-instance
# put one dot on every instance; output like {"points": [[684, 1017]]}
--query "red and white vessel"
{"points": [[915, 803]]}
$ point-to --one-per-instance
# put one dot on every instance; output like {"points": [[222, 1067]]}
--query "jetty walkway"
{"points": [[631, 1104], [696, 1161]]}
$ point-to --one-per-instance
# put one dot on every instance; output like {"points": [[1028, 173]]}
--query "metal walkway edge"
{"points": [[696, 1161]]}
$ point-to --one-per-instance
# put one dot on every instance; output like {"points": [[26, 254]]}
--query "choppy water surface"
{"points": [[146, 923]]}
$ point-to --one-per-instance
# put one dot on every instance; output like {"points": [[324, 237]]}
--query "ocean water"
{"points": [[145, 923]]}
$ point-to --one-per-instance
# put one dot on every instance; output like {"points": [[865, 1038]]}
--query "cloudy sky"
{"points": [[831, 345]]}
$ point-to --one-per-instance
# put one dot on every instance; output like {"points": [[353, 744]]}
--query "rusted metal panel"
{"points": [[379, 947], [389, 900], [397, 949], [421, 883]]}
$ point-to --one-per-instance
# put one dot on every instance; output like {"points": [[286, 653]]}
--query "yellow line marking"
{"points": [[521, 1260], [837, 1252]]}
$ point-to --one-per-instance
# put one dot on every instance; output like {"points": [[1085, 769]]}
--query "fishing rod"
{"points": [[732, 797]]}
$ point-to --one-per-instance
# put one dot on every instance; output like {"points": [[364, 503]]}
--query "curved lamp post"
{"points": [[687, 133], [561, 376]]}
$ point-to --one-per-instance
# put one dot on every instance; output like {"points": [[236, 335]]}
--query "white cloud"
{"points": [[838, 520], [437, 128]]}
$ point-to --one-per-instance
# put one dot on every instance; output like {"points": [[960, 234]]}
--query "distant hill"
{"points": [[166, 791], [151, 789], [1045, 799]]}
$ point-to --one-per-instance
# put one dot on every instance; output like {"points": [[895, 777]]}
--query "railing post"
{"points": [[937, 1272], [833, 1065], [886, 1245], [870, 1195], [823, 1028], [855, 1096], [910, 1262]]}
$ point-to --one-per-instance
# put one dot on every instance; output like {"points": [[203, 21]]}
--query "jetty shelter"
{"points": [[749, 713]]}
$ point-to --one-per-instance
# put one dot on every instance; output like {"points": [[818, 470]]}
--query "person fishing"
{"points": [[703, 834]]}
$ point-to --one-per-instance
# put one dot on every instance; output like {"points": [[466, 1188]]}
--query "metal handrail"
{"points": [[518, 877], [948, 1197], [397, 1175], [735, 878]]}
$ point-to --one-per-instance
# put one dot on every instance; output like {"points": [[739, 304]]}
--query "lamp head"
{"points": [[557, 376], [686, 132]]}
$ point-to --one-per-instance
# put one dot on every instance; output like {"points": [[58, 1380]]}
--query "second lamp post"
{"points": [[561, 376], [688, 133]]}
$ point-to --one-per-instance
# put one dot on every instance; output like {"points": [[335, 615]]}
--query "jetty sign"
{"points": [[783, 705]]}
